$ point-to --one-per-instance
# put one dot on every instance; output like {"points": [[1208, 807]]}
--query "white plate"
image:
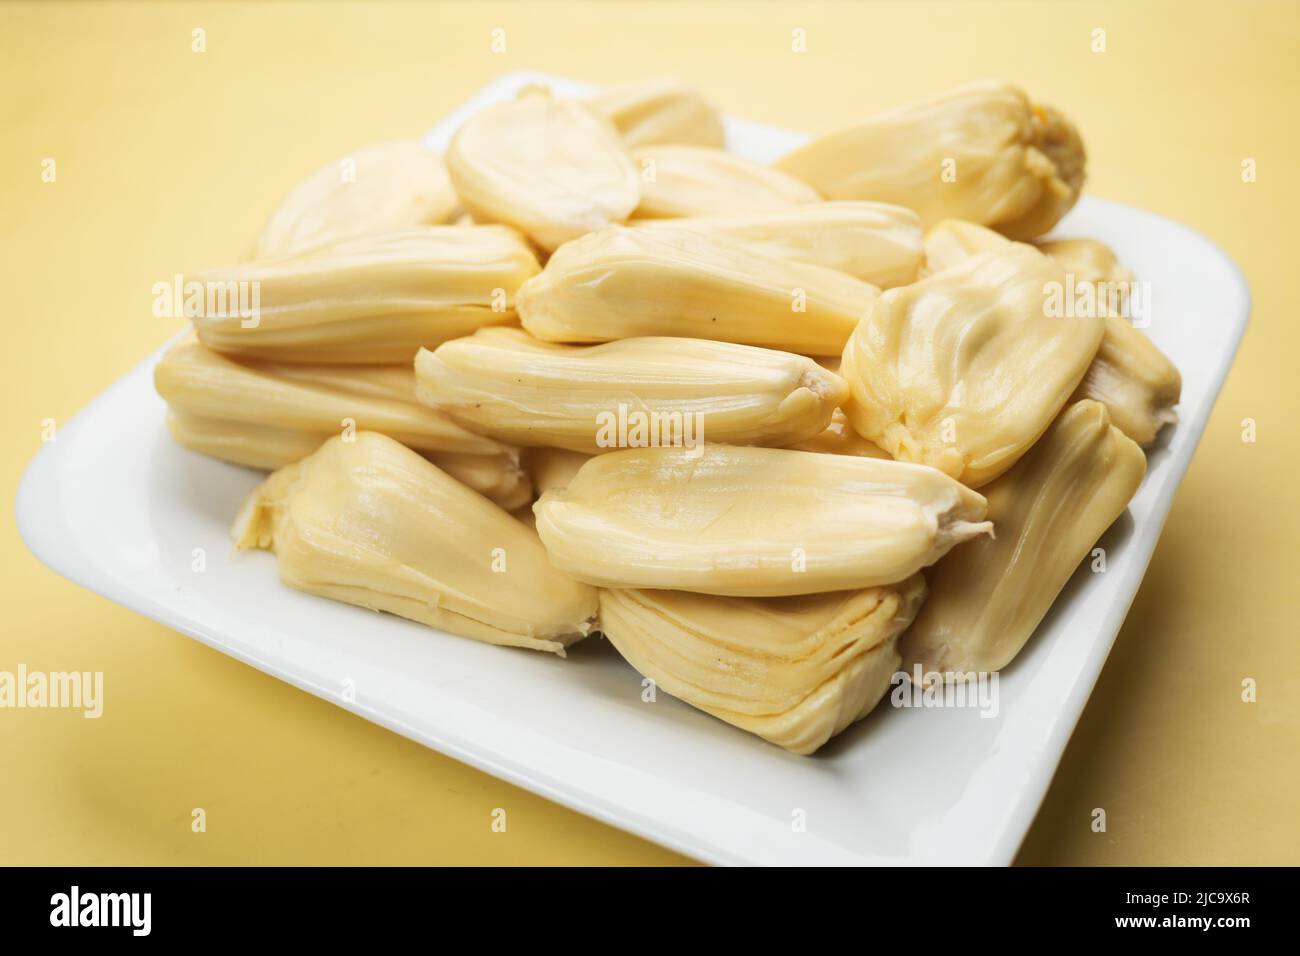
{"points": [[116, 506]]}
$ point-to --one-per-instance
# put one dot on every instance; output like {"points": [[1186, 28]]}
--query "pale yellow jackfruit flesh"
{"points": [[660, 111], [553, 467], [266, 415], [700, 181], [552, 168], [371, 523], [871, 241], [965, 369], [1137, 382], [625, 282], [839, 438], [500, 478], [982, 152], [369, 299], [592, 398], [1086, 259], [795, 670], [316, 399], [384, 187], [988, 596], [766, 586], [752, 522], [952, 241], [264, 447]]}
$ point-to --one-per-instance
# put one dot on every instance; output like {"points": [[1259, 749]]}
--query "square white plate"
{"points": [[116, 506]]}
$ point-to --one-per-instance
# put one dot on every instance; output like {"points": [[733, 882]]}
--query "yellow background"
{"points": [[168, 161]]}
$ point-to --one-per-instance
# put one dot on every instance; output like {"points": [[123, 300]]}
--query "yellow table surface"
{"points": [[170, 160]]}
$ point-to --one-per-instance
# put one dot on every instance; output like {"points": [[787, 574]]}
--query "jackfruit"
{"points": [[370, 299], [793, 670], [385, 187], [660, 111], [1086, 259], [552, 168], [983, 152], [371, 523], [626, 282], [592, 398], [965, 369], [839, 438], [700, 181], [266, 415], [871, 241], [752, 522], [988, 596], [1137, 382], [952, 241], [553, 468]]}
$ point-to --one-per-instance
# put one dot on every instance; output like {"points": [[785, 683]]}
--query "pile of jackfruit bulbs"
{"points": [[778, 432]]}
